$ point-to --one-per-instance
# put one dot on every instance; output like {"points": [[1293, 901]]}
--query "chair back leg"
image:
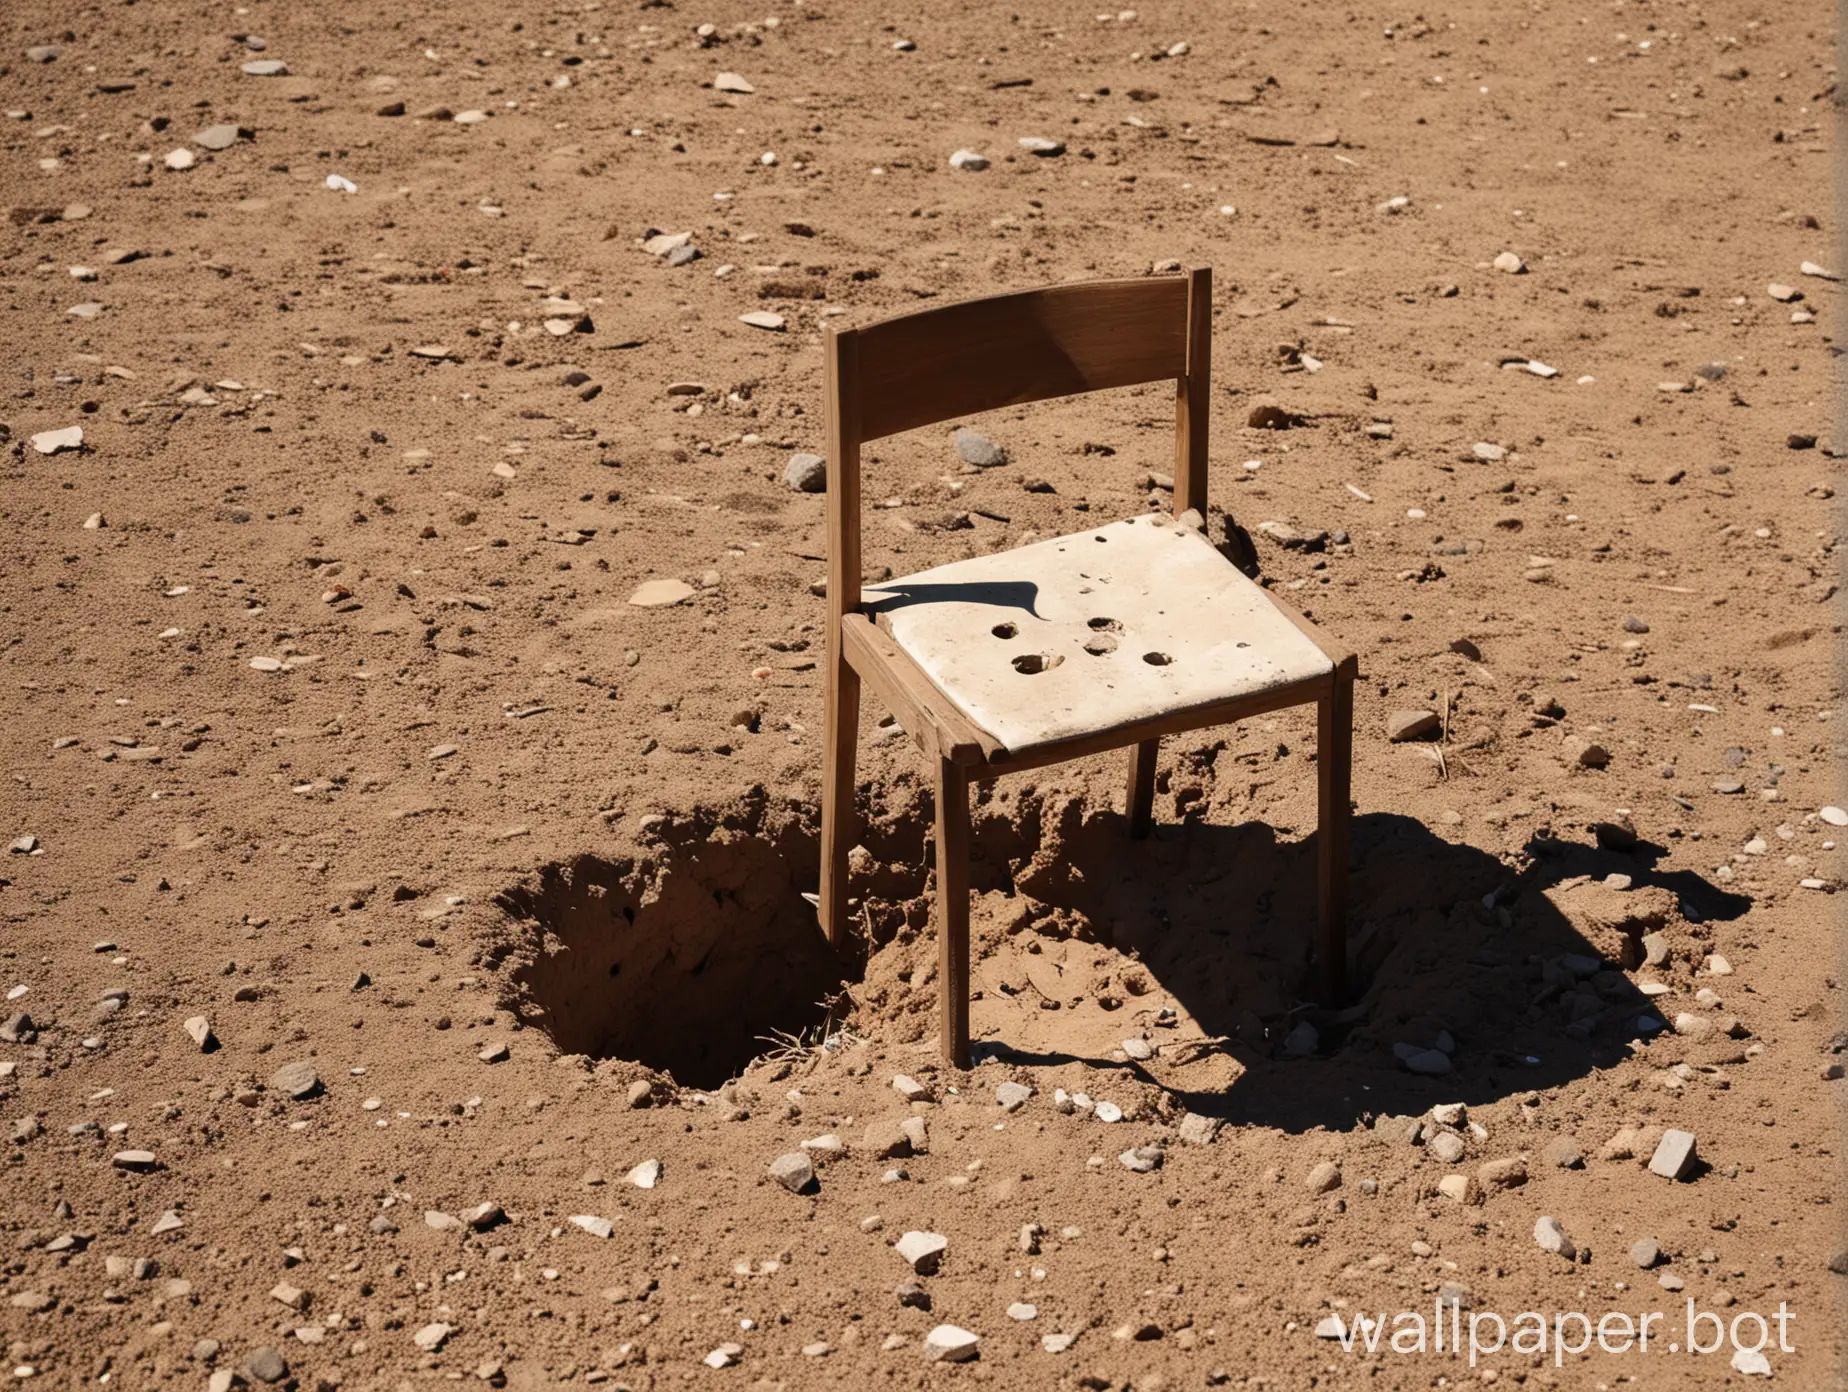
{"points": [[1334, 752], [1139, 801], [953, 910], [837, 805]]}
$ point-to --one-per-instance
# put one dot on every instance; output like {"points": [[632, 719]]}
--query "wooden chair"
{"points": [[1109, 638]]}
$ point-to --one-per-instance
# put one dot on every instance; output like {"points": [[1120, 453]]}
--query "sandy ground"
{"points": [[331, 727]]}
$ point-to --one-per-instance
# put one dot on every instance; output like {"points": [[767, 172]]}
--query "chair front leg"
{"points": [[839, 753], [1334, 752], [1139, 801], [953, 910]]}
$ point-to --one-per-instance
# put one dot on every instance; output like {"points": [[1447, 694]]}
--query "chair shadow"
{"points": [[1448, 946], [1003, 594]]}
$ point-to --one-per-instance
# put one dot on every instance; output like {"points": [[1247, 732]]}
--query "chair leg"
{"points": [[1139, 802], [953, 910], [837, 807], [1334, 752]]}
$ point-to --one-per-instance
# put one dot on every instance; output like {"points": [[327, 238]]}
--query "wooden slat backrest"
{"points": [[1005, 350]]}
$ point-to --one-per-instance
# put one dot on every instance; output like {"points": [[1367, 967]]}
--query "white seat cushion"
{"points": [[1093, 631]]}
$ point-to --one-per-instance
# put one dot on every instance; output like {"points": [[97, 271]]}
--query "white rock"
{"points": [[1834, 816], [949, 1344], [181, 158], [1552, 1237], [594, 1225], [763, 319], [731, 82], [1674, 1155], [1138, 1049], [52, 441], [1810, 268], [1510, 263], [663, 242], [1330, 1327], [910, 1088], [724, 1356], [969, 160], [1750, 1361], [655, 594], [430, 1337], [923, 1250], [339, 183], [1020, 1310], [646, 1175], [1108, 1112]]}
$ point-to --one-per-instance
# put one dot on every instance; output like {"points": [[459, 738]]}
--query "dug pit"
{"points": [[691, 958]]}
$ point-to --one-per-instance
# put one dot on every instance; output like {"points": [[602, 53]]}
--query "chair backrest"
{"points": [[1006, 350]]}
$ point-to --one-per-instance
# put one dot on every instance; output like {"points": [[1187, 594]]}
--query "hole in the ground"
{"points": [[1157, 659], [1106, 625], [1101, 646], [1004, 630], [1030, 663], [688, 961]]}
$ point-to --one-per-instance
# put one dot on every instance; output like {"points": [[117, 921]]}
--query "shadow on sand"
{"points": [[1518, 975]]}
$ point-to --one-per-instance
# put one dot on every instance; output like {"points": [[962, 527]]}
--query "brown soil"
{"points": [[479, 803]]}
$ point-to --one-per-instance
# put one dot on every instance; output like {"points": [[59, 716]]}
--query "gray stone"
{"points": [[266, 1365], [1324, 1177], [886, 1140], [1645, 1252], [267, 67], [968, 160], [1011, 1097], [794, 1171], [977, 449], [806, 473], [1403, 725], [1142, 1159], [297, 1080], [1199, 1130], [1446, 1146], [1552, 1237], [217, 137], [1301, 1041], [1432, 1063], [1565, 1152], [1042, 146]]}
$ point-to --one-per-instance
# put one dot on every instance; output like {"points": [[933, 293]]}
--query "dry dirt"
{"points": [[338, 730]]}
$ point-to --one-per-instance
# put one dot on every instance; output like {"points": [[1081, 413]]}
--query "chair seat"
{"points": [[1092, 632]]}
